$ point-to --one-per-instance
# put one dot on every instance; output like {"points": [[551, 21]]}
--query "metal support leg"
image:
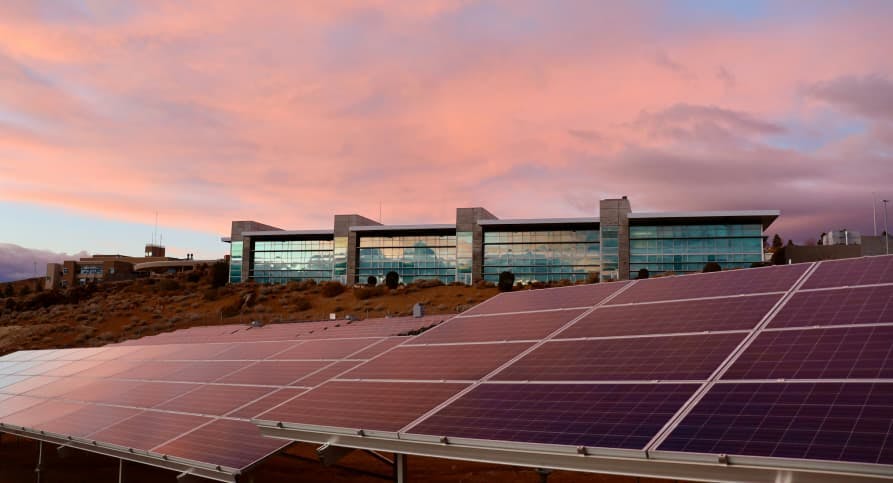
{"points": [[120, 471], [39, 459], [544, 474], [400, 468]]}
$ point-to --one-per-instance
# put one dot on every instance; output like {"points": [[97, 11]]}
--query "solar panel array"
{"points": [[785, 362], [189, 399]]}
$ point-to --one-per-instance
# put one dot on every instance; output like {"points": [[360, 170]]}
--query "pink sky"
{"points": [[289, 112]]}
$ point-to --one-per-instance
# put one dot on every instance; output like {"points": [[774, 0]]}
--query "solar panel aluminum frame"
{"points": [[534, 456], [204, 470]]}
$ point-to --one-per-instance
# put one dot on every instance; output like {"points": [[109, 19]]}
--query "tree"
{"points": [[643, 273], [712, 267], [371, 281], [506, 281], [25, 290], [219, 274], [9, 291], [777, 243], [392, 280]]}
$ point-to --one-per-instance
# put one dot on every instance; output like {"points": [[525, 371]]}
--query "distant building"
{"points": [[835, 245], [478, 246]]}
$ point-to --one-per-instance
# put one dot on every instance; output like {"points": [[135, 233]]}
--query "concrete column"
{"points": [[615, 213], [467, 221]]}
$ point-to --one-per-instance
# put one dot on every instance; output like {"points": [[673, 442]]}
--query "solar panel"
{"points": [[230, 443], [717, 284], [438, 362], [546, 299], [87, 419], [730, 313], [381, 406], [265, 403], [326, 349], [595, 415], [214, 400], [492, 328], [836, 353], [37, 414], [852, 271], [819, 421], [378, 348], [329, 372], [686, 357], [273, 373], [867, 305], [148, 429]]}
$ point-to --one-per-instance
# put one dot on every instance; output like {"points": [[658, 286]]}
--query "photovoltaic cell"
{"points": [[152, 370], [265, 403], [866, 305], [378, 348], [732, 313], [492, 328], [28, 384], [383, 406], [325, 374], [214, 400], [17, 403], [148, 429], [33, 416], [595, 415], [230, 443], [778, 278], [253, 350], [450, 362], [839, 353], [273, 373], [819, 421], [685, 357], [87, 420], [203, 371], [545, 299], [326, 349], [129, 393], [852, 271]]}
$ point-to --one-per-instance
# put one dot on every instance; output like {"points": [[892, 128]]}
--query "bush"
{"points": [[392, 280], [428, 282], [302, 304], [332, 289], [219, 274], [371, 281], [169, 285], [194, 276], [211, 294], [712, 267], [302, 285], [643, 273], [25, 290], [363, 293], [506, 281]]}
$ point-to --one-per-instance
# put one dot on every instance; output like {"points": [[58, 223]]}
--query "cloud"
{"points": [[17, 262], [725, 76], [870, 96]]}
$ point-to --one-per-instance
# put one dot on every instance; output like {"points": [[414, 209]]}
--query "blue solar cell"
{"points": [[837, 353], [596, 415], [865, 305], [820, 421]]}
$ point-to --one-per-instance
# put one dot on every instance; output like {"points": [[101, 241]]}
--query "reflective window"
{"points": [[284, 261], [413, 257], [235, 262], [686, 248], [542, 255]]}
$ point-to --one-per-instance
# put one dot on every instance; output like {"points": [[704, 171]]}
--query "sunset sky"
{"points": [[287, 112]]}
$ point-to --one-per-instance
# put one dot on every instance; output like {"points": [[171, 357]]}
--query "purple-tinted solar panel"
{"points": [[152, 370], [204, 371], [14, 404], [253, 351], [234, 444], [383, 406], [129, 393], [545, 299], [26, 385], [451, 362], [866, 305], [636, 359], [197, 352], [273, 373], [60, 387], [841, 353], [109, 369], [820, 421], [326, 349], [603, 415], [377, 349], [265, 403], [491, 328], [733, 313], [43, 368], [148, 429], [72, 368], [719, 284], [214, 400], [324, 375], [87, 420], [32, 417], [853, 271]]}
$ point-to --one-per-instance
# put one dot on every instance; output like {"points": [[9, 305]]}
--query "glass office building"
{"points": [[479, 246]]}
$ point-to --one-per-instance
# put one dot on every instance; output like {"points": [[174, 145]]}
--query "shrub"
{"points": [[363, 293], [25, 290], [302, 285], [219, 274], [8, 290], [194, 276], [506, 281], [211, 294], [428, 282], [712, 267], [332, 289], [371, 281], [643, 273], [168, 285], [392, 280], [302, 304], [535, 285]]}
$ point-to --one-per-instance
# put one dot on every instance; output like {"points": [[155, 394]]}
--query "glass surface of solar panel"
{"points": [[230, 443], [87, 419], [326, 349], [205, 371], [862, 352], [148, 429], [449, 362], [273, 373], [29, 383], [323, 375], [266, 403], [129, 393], [818, 421], [254, 350], [14, 404], [595, 415], [214, 400], [59, 388], [852, 271], [197, 352], [34, 416], [731, 313], [72, 368], [153, 370], [779, 278], [376, 349], [864, 305], [382, 406], [493, 328], [684, 357], [546, 299]]}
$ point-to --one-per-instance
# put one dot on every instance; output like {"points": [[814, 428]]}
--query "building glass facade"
{"points": [[686, 248], [414, 257], [542, 255], [284, 261], [235, 262], [610, 252], [464, 256], [339, 271]]}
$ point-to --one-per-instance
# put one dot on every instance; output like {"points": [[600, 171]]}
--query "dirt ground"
{"points": [[18, 460]]}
